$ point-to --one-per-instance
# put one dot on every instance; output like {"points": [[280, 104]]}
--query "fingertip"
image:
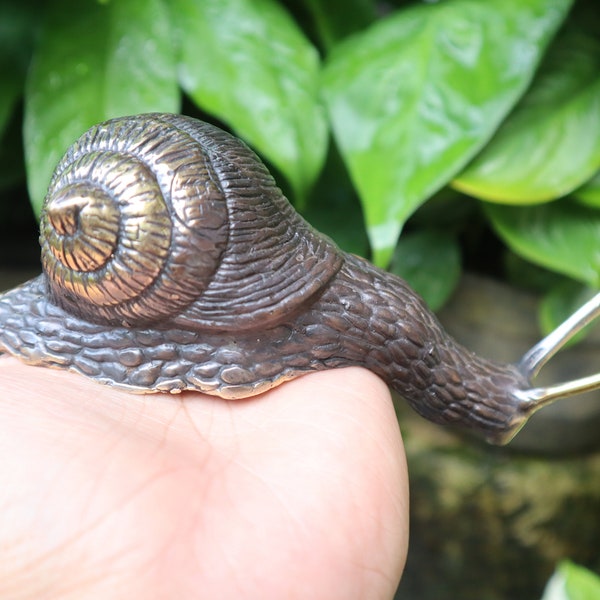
{"points": [[365, 417]]}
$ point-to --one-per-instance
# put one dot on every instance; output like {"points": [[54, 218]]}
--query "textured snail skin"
{"points": [[172, 262]]}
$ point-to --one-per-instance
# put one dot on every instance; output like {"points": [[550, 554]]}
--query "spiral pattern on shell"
{"points": [[153, 219]]}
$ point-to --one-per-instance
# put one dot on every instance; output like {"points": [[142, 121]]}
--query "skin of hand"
{"points": [[301, 492]]}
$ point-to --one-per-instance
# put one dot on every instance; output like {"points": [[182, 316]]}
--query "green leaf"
{"points": [[581, 584], [572, 582], [561, 302], [17, 24], [561, 236], [357, 14], [414, 97], [12, 169], [94, 62], [335, 210], [10, 91], [247, 63], [550, 144], [522, 273], [589, 193], [429, 261]]}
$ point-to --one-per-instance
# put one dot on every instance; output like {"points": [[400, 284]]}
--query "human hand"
{"points": [[298, 493]]}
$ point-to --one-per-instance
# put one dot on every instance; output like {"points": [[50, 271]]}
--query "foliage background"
{"points": [[471, 128]]}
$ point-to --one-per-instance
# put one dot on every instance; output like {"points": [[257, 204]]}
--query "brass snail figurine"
{"points": [[173, 262]]}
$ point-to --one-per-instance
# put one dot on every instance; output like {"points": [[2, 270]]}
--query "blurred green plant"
{"points": [[450, 119], [572, 582]]}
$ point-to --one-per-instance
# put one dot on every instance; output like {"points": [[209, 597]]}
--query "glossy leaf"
{"points": [[572, 582], [561, 302], [589, 193], [17, 23], [561, 236], [10, 92], [526, 275], [335, 210], [247, 63], [550, 144], [429, 260], [414, 97], [12, 169], [357, 14], [94, 61]]}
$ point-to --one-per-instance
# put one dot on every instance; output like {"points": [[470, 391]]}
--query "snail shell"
{"points": [[160, 217], [173, 262]]}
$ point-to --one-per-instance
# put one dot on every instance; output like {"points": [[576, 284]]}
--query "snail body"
{"points": [[173, 262]]}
